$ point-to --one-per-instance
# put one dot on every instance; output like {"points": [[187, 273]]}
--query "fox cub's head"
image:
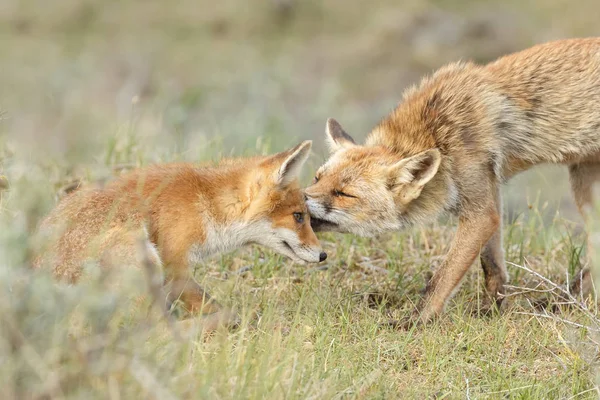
{"points": [[367, 190], [279, 200]]}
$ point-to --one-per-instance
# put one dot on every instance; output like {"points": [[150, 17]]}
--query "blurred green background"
{"points": [[86, 85], [88, 82]]}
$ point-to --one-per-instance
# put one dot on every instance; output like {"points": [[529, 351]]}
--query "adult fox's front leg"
{"points": [[474, 232]]}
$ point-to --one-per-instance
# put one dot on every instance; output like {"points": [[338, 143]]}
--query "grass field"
{"points": [[306, 331], [87, 86]]}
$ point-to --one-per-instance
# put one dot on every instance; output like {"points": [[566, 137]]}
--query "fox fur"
{"points": [[183, 213], [450, 145]]}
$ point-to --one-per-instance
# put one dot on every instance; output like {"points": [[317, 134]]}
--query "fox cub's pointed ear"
{"points": [[416, 170], [292, 162], [336, 137]]}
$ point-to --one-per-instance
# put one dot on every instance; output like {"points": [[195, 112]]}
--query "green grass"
{"points": [[86, 86], [306, 331]]}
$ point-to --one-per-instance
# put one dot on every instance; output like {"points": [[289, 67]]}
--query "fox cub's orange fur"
{"points": [[453, 141], [185, 213]]}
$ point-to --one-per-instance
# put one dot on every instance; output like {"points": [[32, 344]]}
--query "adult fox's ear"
{"points": [[336, 137], [415, 171], [291, 162]]}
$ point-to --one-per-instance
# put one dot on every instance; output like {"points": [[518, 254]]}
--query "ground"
{"points": [[90, 87]]}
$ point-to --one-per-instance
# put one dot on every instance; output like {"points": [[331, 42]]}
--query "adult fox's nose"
{"points": [[322, 256]]}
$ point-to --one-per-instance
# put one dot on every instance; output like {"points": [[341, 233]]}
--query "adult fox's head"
{"points": [[367, 190]]}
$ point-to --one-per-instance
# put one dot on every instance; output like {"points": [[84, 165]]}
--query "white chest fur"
{"points": [[225, 238]]}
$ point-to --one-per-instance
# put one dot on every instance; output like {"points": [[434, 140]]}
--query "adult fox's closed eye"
{"points": [[184, 213], [453, 141]]}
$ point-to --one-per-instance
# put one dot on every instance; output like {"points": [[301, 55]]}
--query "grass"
{"points": [[306, 331], [89, 86]]}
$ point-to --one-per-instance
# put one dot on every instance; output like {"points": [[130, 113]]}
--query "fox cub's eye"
{"points": [[316, 179], [299, 217]]}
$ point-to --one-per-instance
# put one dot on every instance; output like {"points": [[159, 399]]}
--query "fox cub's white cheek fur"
{"points": [[300, 251], [287, 242], [222, 239]]}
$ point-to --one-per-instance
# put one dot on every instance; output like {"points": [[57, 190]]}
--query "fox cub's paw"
{"points": [[205, 324]]}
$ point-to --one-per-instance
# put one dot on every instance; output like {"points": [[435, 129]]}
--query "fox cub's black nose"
{"points": [[322, 256]]}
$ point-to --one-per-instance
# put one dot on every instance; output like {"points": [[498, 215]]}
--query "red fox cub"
{"points": [[185, 213], [450, 145]]}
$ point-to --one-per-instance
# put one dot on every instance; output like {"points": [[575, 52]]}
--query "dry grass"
{"points": [[89, 87]]}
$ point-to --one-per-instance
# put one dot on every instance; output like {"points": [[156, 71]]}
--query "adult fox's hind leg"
{"points": [[583, 178]]}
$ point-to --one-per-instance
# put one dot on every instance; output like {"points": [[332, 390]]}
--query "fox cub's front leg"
{"points": [[203, 313], [191, 295]]}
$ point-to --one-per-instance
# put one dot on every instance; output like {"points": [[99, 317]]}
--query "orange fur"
{"points": [[184, 213]]}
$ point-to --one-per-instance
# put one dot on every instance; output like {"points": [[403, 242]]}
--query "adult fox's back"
{"points": [[538, 105], [557, 90]]}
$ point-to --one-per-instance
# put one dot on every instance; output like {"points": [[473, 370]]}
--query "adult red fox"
{"points": [[450, 145]]}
